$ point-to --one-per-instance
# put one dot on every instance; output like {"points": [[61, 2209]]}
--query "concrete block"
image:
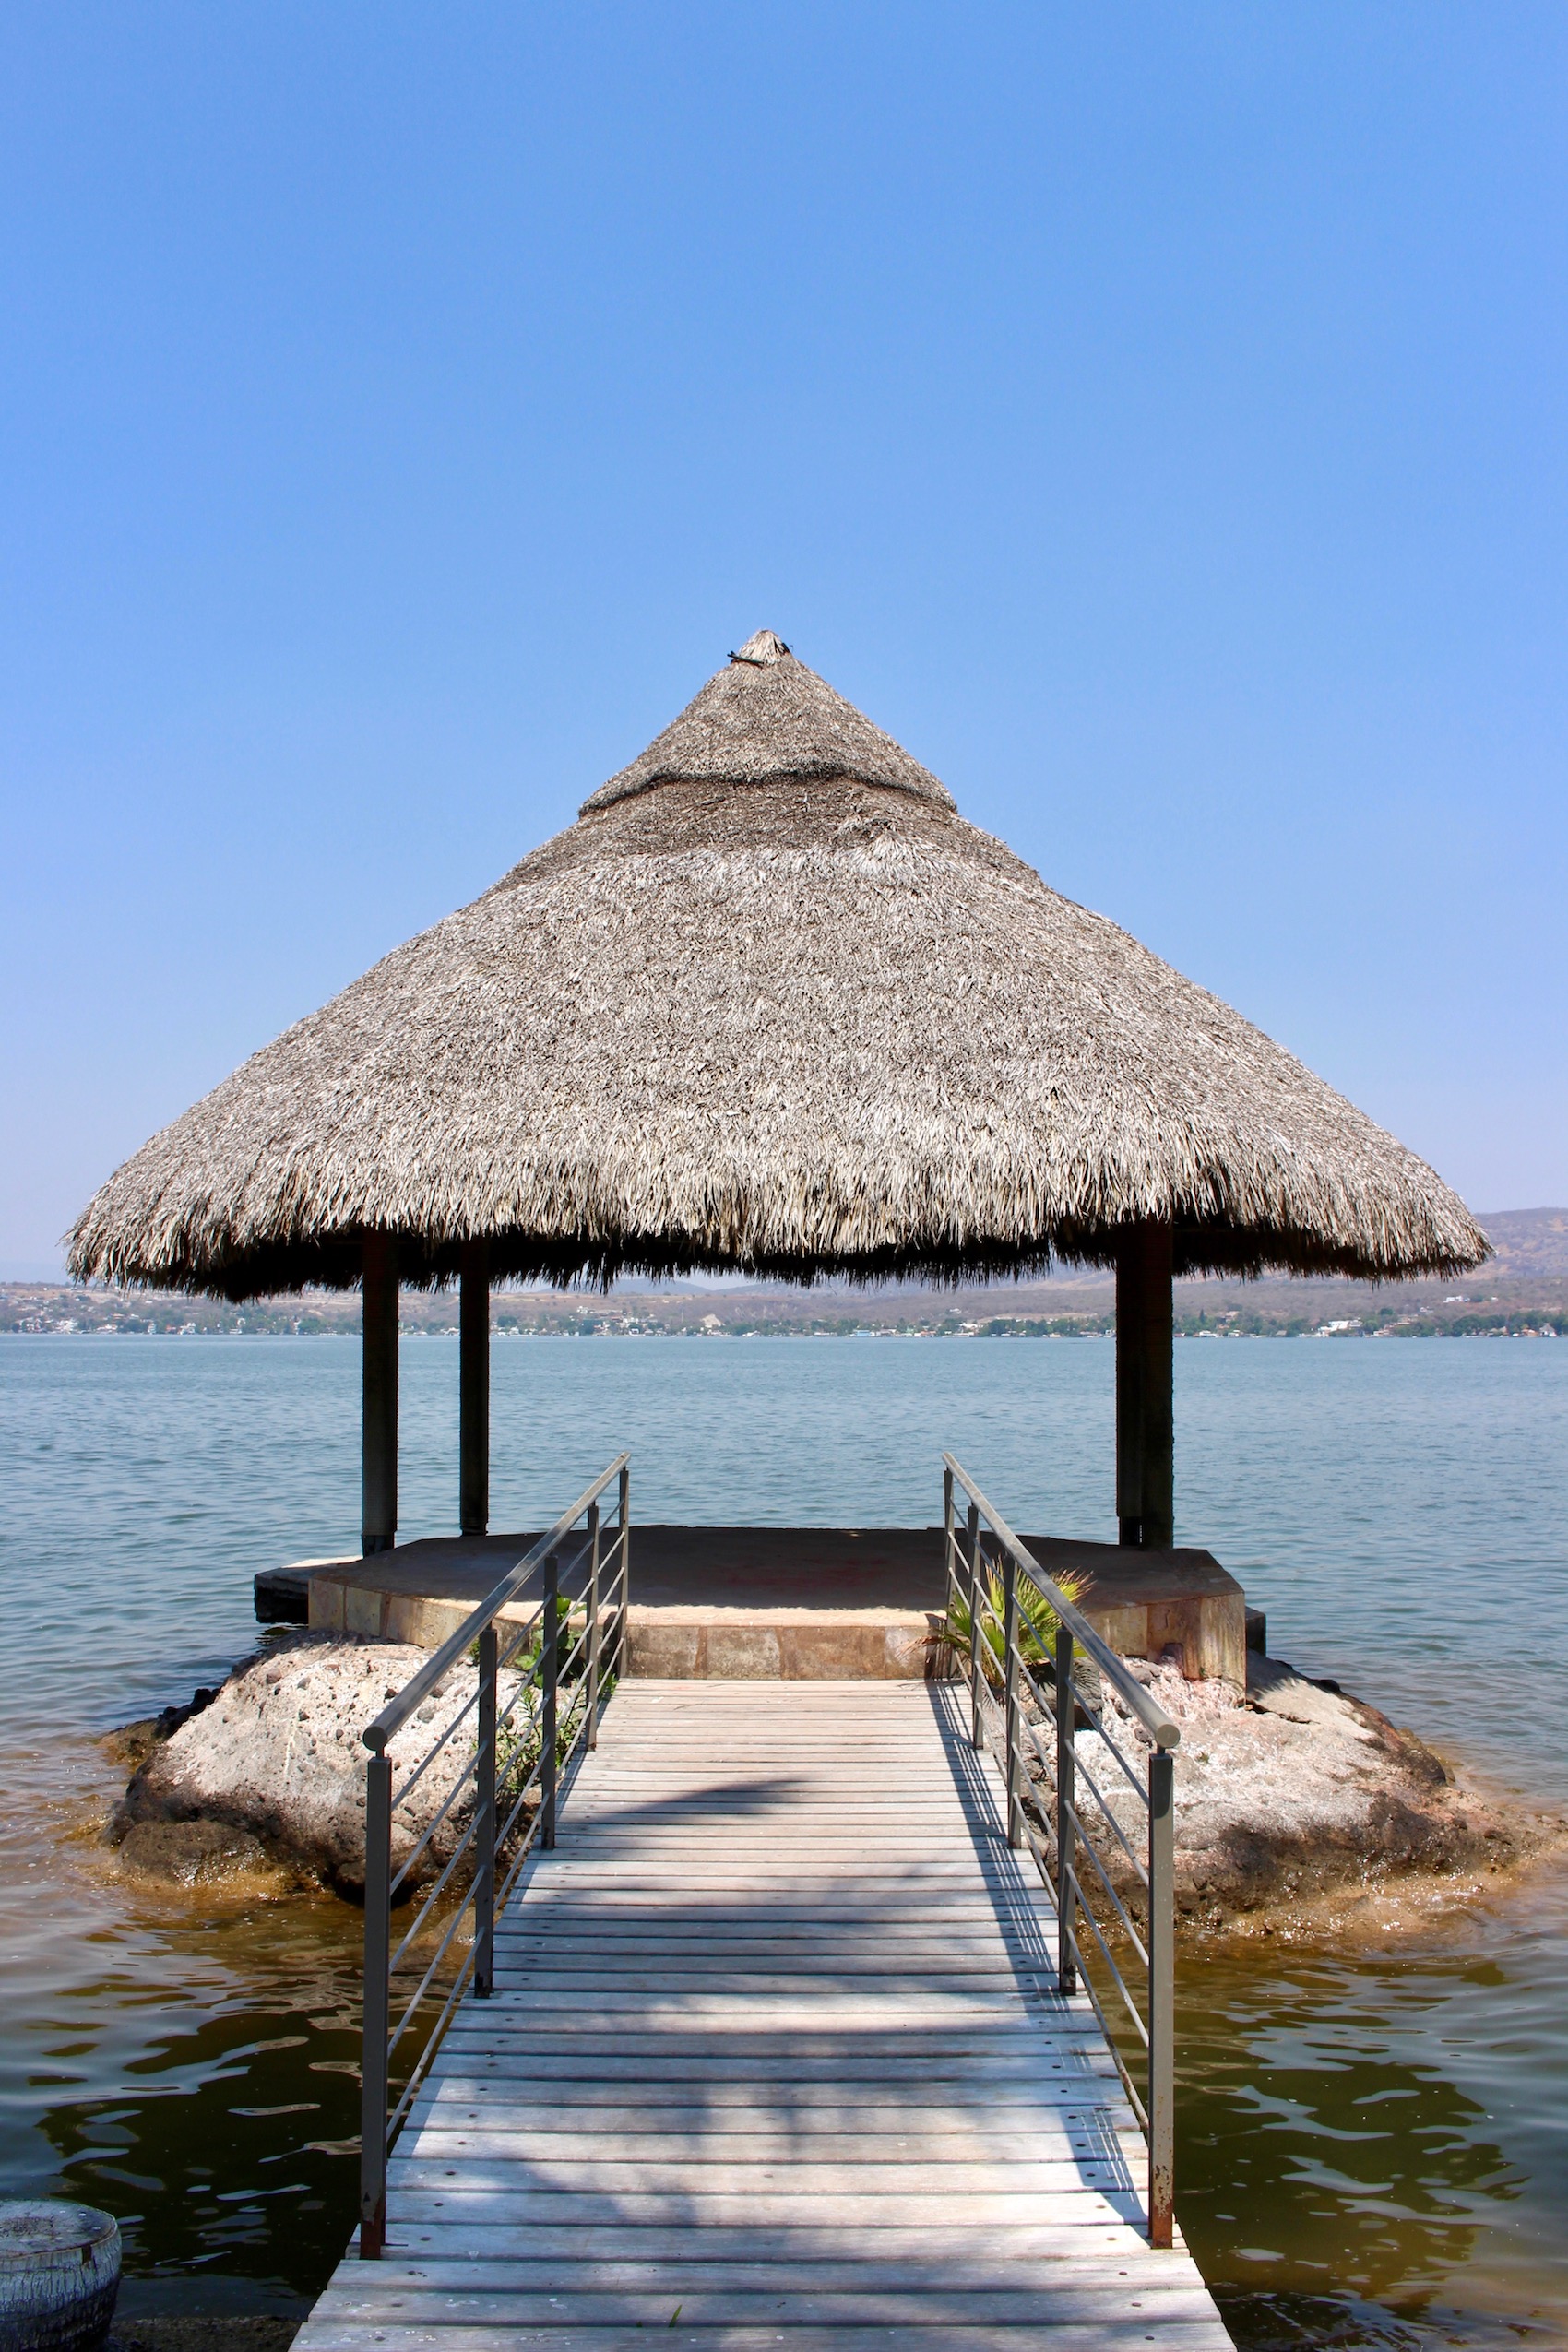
{"points": [[664, 1653], [326, 1605], [732, 1653], [364, 1611], [801, 1604]]}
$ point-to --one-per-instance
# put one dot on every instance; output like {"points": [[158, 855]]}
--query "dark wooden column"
{"points": [[379, 1440], [473, 1388], [1145, 1421]]}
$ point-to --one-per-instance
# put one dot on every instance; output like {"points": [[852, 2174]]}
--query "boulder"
{"points": [[277, 1756], [1291, 1791], [191, 1853]]}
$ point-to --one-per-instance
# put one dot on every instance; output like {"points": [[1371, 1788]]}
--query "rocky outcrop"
{"points": [[1293, 1792], [1285, 1794], [276, 1761]]}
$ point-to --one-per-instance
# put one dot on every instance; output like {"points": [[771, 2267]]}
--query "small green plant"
{"points": [[566, 1635], [1038, 1621], [517, 1752], [519, 1739]]}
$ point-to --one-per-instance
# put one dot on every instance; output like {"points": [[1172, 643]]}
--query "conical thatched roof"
{"points": [[771, 1004]]}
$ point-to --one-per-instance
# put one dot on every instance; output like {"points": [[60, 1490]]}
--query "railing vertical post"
{"points": [[484, 1819], [1010, 1704], [971, 1562], [378, 2002], [947, 1537], [1161, 1997], [593, 1627], [550, 1667], [1066, 1798], [624, 1500]]}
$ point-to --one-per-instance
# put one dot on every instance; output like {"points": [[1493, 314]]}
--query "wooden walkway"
{"points": [[776, 2058]]}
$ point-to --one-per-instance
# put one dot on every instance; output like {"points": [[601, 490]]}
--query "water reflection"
{"points": [[229, 2146], [1340, 2183]]}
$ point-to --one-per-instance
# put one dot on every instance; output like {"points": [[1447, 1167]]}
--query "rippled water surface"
{"points": [[1373, 2145]]}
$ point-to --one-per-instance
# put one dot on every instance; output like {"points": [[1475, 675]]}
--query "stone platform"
{"points": [[769, 1603]]}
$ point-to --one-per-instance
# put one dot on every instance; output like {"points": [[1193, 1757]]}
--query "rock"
{"points": [[59, 2276], [1285, 1792], [277, 1755], [132, 1743], [204, 2331], [191, 1853], [1293, 1790], [172, 1720]]}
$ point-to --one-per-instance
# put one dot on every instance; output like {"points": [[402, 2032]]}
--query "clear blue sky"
{"points": [[1153, 415]]}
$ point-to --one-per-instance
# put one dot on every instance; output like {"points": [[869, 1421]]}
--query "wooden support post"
{"points": [[378, 1517], [1145, 1421], [473, 1384]]}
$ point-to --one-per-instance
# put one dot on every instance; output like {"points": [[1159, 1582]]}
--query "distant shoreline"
{"points": [[1520, 1294], [1066, 1310]]}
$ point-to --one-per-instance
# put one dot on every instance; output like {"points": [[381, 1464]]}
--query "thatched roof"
{"points": [[769, 1003]]}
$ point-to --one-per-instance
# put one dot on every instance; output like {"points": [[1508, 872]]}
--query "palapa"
{"points": [[771, 1004]]}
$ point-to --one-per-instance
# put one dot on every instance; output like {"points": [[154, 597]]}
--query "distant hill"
{"points": [[1524, 1289], [1530, 1242]]}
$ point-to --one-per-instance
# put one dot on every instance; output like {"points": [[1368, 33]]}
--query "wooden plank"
{"points": [[368, 2334], [494, 2161], [1052, 2303], [486, 2211], [827, 1992], [984, 2253], [796, 2034], [722, 2107], [883, 2055], [762, 2022], [738, 2045], [618, 1905], [516, 2132], [860, 1944], [573, 2264]]}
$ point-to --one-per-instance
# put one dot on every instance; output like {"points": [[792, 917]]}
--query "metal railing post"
{"points": [[1092, 1901], [484, 1819], [593, 1627], [1066, 1798], [624, 1500], [948, 1538], [972, 1553], [1010, 1700], [550, 1667], [377, 2001], [1161, 1997]]}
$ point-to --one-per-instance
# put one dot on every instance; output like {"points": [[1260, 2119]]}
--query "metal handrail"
{"points": [[396, 1713], [1128, 1689], [969, 1573], [561, 1691]]}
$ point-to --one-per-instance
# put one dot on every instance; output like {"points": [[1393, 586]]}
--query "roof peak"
{"points": [[763, 647], [766, 719]]}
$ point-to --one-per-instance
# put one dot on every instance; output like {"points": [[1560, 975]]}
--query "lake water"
{"points": [[1374, 2146]]}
